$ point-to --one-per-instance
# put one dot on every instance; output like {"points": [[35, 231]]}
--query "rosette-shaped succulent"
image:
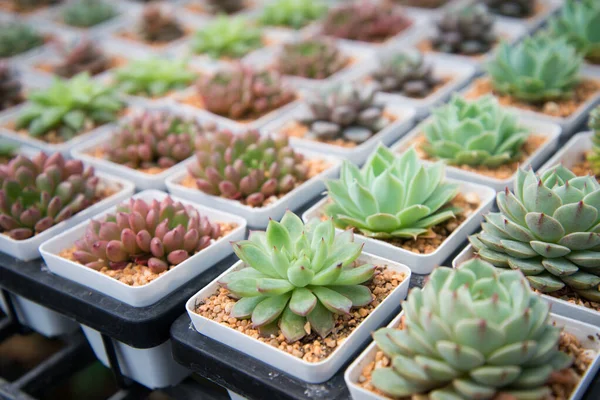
{"points": [[547, 228], [226, 6], [37, 193], [292, 13], [365, 21], [404, 72], [238, 91], [157, 234], [391, 196], [17, 37], [154, 76], [593, 156], [85, 56], [465, 30], [512, 8], [471, 333], [537, 69], [159, 25], [230, 37], [313, 58], [346, 111], [478, 132], [298, 274], [11, 90], [87, 13]]}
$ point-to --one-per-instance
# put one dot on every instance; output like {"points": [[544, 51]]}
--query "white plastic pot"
{"points": [[309, 372], [571, 152], [547, 129], [141, 296], [424, 263]]}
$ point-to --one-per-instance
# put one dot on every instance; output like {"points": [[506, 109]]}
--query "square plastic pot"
{"points": [[571, 152], [309, 372], [258, 217], [424, 263], [548, 130], [582, 331], [141, 296]]}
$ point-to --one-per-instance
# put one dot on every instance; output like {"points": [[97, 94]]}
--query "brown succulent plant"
{"points": [[85, 56], [159, 25], [11, 90]]}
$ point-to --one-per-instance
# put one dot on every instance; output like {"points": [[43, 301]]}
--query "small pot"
{"points": [[571, 152]]}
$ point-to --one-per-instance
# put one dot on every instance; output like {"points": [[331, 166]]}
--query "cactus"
{"points": [[391, 196], [157, 234], [313, 58], [247, 167], [471, 333], [87, 13], [547, 228], [298, 274], [154, 76], [404, 72], [11, 90], [292, 13], [84, 56], [39, 192], [226, 6], [231, 37], [158, 25], [17, 37], [593, 157], [512, 8]]}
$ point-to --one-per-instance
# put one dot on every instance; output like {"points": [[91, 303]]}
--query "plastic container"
{"points": [[310, 372], [571, 152]]}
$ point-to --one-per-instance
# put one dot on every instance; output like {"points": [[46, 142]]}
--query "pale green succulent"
{"points": [[298, 273], [154, 76], [292, 13], [538, 69], [478, 132], [549, 229], [232, 37], [471, 333], [391, 196]]}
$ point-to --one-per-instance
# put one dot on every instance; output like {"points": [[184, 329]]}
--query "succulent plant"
{"points": [[478, 132], [537, 69], [365, 21], [313, 58], [345, 111], [548, 229], [579, 23], [87, 13], [246, 166], [159, 25], [11, 90], [593, 157], [512, 8], [226, 6], [422, 3], [8, 150], [471, 333], [238, 91], [154, 76], [404, 72], [467, 30], [298, 274], [231, 37], [28, 5], [159, 234], [17, 37], [69, 107], [84, 56], [292, 13], [39, 192], [391, 196]]}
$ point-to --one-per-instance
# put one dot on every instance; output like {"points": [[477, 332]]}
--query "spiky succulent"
{"points": [[11, 90], [297, 274], [346, 111], [391, 196], [246, 166], [17, 37], [537, 69], [230, 37], [87, 13], [69, 107], [467, 30], [593, 156], [226, 6], [292, 13], [39, 192], [154, 76], [422, 3], [404, 72], [238, 91], [84, 56], [548, 229], [512, 8], [478, 132], [159, 234], [365, 21], [471, 333], [159, 25], [313, 58]]}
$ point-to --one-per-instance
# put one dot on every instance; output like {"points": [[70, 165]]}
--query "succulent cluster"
{"points": [[154, 76], [422, 3], [593, 157], [87, 13], [471, 333], [512, 8], [478, 132], [11, 90], [404, 72], [313, 58], [28, 5], [226, 6], [391, 196], [547, 228], [238, 91], [246, 166], [467, 30], [537, 69], [159, 25], [230, 37], [69, 107], [296, 275], [365, 21], [84, 56], [17, 37], [346, 111], [39, 192], [292, 13], [157, 234]]}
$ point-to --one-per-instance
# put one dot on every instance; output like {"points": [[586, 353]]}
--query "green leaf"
{"points": [[278, 236], [244, 307], [359, 295], [269, 309], [75, 119], [292, 326], [303, 301], [321, 320]]}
